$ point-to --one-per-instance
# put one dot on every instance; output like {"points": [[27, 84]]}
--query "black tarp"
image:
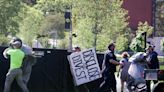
{"points": [[51, 73]]}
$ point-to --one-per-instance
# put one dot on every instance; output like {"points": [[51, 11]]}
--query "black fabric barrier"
{"points": [[51, 73]]}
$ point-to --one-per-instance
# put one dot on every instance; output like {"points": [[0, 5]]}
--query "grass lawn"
{"points": [[161, 59], [162, 67]]}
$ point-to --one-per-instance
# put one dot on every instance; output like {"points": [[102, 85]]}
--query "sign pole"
{"points": [[70, 38], [68, 25]]}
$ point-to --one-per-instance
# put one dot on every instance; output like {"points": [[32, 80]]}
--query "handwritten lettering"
{"points": [[91, 64], [85, 66]]}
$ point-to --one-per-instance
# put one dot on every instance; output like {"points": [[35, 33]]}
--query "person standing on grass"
{"points": [[83, 87], [15, 71], [153, 63]]}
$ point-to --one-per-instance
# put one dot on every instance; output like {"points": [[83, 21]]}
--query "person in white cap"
{"points": [[29, 60], [15, 72]]}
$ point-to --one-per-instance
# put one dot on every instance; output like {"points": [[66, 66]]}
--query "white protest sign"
{"points": [[84, 66]]}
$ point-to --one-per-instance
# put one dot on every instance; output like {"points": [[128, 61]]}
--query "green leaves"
{"points": [[138, 42], [122, 43], [144, 27], [30, 23], [3, 40], [96, 22], [106, 19], [8, 10]]}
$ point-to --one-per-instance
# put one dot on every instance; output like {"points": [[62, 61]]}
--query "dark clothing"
{"points": [[152, 57], [109, 82], [109, 66], [154, 64], [81, 88], [148, 84]]}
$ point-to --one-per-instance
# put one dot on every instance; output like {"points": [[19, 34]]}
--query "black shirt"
{"points": [[109, 66], [152, 57]]}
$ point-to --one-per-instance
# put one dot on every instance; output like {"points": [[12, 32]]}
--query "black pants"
{"points": [[109, 83], [82, 88], [148, 85]]}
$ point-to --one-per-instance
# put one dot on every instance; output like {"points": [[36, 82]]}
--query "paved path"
{"points": [[125, 89], [119, 85]]}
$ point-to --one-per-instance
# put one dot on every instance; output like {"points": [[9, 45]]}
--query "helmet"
{"points": [[138, 57], [14, 39]]}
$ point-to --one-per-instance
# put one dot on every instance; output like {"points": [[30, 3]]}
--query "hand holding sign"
{"points": [[84, 66]]}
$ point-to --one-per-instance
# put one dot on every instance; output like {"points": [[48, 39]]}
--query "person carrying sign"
{"points": [[83, 87], [108, 70], [15, 71]]}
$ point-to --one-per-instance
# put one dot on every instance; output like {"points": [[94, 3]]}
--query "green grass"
{"points": [[162, 67], [161, 59]]}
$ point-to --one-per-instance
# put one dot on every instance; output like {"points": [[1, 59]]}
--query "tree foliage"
{"points": [[53, 26], [4, 40], [144, 27], [106, 20], [84, 36], [96, 22], [30, 23], [122, 43], [8, 10], [138, 42], [99, 18]]}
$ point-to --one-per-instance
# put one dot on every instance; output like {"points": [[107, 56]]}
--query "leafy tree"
{"points": [[4, 41], [105, 20], [122, 43], [144, 27], [99, 18], [138, 42], [54, 6], [30, 23], [8, 10], [83, 35], [53, 26], [53, 23], [63, 43], [159, 18]]}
